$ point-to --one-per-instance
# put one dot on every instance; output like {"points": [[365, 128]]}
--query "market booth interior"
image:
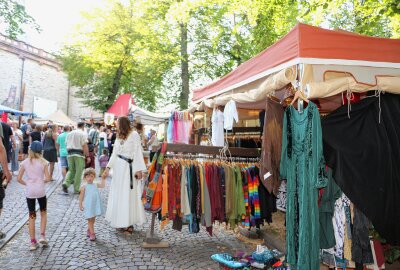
{"points": [[309, 127]]}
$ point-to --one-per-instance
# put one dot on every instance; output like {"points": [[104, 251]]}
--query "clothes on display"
{"points": [[281, 198], [217, 122], [302, 164], [364, 153], [326, 210], [340, 221], [179, 127], [361, 247], [230, 114], [245, 141], [271, 146], [201, 193], [351, 246]]}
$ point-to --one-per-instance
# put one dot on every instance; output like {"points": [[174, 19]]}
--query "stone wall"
{"points": [[42, 76]]}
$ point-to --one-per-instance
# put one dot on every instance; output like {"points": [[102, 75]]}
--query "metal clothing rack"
{"points": [[191, 152]]}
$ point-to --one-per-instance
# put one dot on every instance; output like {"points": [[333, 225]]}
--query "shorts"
{"points": [[64, 162], [25, 148], [32, 205], [2, 196]]}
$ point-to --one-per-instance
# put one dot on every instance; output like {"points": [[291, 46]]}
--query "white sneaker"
{"points": [[43, 241], [34, 246]]}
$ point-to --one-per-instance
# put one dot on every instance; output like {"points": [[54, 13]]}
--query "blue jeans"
{"points": [[64, 162], [14, 159]]}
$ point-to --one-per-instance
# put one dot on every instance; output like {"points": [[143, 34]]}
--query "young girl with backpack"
{"points": [[36, 170]]}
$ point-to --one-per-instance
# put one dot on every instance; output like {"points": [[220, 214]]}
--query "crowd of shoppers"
{"points": [[31, 150]]}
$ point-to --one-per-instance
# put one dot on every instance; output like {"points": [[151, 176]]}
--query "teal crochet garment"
{"points": [[302, 164]]}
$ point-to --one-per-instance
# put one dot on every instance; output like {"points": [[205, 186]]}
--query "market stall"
{"points": [[341, 168], [4, 111]]}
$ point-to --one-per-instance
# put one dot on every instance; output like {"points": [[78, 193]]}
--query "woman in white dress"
{"points": [[125, 207]]}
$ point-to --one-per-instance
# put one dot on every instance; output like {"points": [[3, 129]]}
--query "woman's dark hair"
{"points": [[124, 127], [139, 127]]}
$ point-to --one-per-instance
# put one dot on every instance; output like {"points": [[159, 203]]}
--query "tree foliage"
{"points": [[134, 46], [121, 49], [14, 16]]}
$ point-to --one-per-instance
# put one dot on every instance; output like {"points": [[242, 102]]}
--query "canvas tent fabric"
{"points": [[149, 118], [59, 118], [125, 105], [318, 51], [122, 105], [5, 109]]}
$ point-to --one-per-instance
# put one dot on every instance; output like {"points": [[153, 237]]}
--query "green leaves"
{"points": [[135, 45], [120, 49], [14, 15]]}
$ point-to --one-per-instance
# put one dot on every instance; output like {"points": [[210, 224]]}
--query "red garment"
{"points": [[171, 193], [219, 199], [380, 258]]}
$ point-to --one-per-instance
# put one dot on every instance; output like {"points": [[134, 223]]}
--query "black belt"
{"points": [[129, 160], [75, 151]]}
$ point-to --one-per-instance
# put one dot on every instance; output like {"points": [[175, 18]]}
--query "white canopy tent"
{"points": [[148, 118], [58, 117]]}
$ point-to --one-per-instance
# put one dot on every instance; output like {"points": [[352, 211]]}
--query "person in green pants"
{"points": [[77, 150]]}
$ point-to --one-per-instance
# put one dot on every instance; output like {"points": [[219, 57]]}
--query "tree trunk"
{"points": [[184, 96], [116, 84]]}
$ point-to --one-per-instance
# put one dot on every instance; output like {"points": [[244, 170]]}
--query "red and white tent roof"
{"points": [[362, 57], [121, 106]]}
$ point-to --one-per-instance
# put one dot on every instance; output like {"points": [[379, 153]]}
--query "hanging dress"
{"points": [[302, 164]]}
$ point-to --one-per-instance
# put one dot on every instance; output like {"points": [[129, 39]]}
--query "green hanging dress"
{"points": [[302, 164]]}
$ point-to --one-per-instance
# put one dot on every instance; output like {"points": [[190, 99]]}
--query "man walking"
{"points": [[62, 150], [26, 131], [94, 138], [77, 149], [8, 140]]}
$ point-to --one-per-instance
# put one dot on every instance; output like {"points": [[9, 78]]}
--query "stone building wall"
{"points": [[42, 76]]}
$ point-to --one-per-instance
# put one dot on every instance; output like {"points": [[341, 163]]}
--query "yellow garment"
{"points": [[347, 244], [201, 171]]}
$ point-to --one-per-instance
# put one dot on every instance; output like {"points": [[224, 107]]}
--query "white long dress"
{"points": [[124, 206]]}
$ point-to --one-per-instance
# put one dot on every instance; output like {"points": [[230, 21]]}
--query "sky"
{"points": [[56, 19]]}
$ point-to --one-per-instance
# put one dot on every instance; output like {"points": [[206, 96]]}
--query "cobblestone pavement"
{"points": [[70, 249]]}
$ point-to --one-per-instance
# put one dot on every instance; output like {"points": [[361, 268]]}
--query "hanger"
{"points": [[299, 94]]}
